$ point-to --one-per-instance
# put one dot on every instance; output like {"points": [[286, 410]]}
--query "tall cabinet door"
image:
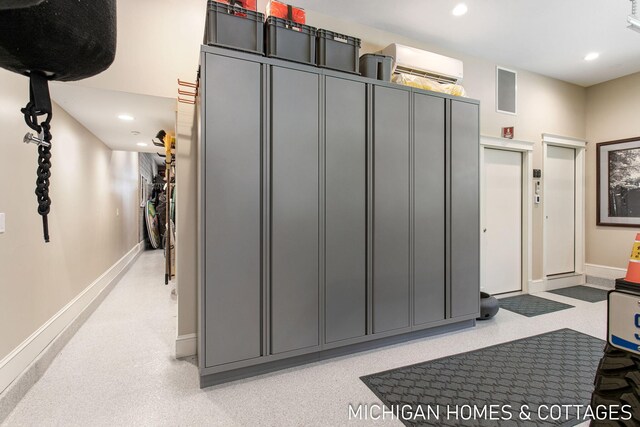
{"points": [[294, 210], [345, 209], [465, 209], [429, 209], [232, 210], [390, 209]]}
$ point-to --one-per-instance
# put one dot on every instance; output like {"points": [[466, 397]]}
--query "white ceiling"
{"points": [[550, 37], [98, 110]]}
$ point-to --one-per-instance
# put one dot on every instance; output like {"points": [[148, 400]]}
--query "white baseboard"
{"points": [[186, 345], [44, 344], [536, 286], [604, 272], [551, 283]]}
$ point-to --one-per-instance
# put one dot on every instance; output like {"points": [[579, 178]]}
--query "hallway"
{"points": [[119, 369]]}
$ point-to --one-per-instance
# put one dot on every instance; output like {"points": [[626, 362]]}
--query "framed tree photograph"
{"points": [[618, 183]]}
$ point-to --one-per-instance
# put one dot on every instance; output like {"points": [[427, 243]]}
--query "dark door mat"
{"points": [[530, 306], [556, 368], [583, 293]]}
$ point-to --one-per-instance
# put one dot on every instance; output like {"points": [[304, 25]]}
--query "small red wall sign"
{"points": [[507, 132]]}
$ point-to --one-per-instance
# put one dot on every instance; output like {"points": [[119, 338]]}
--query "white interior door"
{"points": [[559, 205], [502, 229]]}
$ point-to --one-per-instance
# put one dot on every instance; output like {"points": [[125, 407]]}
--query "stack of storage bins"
{"points": [[232, 26], [236, 24], [287, 35], [338, 51]]}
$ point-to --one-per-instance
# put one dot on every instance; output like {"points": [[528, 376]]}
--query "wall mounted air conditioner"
{"points": [[423, 63]]}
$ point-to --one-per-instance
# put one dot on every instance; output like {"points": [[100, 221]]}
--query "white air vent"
{"points": [[425, 64]]}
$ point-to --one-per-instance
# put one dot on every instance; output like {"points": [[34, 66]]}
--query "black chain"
{"points": [[44, 163]]}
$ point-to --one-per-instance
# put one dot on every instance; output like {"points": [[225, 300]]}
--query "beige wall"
{"points": [[612, 114], [158, 41], [89, 182]]}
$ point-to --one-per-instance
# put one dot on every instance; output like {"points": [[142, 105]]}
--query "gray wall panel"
{"points": [[465, 209], [429, 205], [391, 209], [345, 217], [294, 220], [232, 211]]}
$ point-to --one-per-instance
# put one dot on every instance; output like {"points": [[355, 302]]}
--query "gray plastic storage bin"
{"points": [[234, 27], [290, 40], [376, 66], [338, 51]]}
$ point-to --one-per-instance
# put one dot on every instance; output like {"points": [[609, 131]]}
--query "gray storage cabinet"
{"points": [[337, 214], [232, 211], [345, 209], [465, 208], [294, 210], [429, 209], [390, 209]]}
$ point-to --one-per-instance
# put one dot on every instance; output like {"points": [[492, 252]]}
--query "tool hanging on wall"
{"points": [[168, 142], [169, 176], [64, 40], [192, 92]]}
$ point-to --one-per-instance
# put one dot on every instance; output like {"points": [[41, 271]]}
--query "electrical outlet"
{"points": [[1, 223]]}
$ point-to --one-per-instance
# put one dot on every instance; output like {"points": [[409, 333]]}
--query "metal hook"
{"points": [[30, 138]]}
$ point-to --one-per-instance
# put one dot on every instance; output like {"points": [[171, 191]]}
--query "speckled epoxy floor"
{"points": [[119, 369]]}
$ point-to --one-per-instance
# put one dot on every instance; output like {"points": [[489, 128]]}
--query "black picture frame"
{"points": [[618, 183]]}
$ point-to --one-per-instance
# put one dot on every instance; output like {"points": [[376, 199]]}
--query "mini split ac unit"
{"points": [[425, 64]]}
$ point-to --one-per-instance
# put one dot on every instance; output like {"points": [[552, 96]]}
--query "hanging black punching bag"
{"points": [[15, 4], [65, 39], [54, 40]]}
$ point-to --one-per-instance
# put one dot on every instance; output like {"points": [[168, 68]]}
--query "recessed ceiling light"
{"points": [[460, 9], [142, 144], [591, 56], [125, 117]]}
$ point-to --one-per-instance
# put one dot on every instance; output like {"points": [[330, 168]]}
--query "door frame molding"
{"points": [[526, 149], [579, 145]]}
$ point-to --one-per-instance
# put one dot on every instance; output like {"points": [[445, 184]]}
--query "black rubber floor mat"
{"points": [[583, 293], [530, 306], [556, 368]]}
